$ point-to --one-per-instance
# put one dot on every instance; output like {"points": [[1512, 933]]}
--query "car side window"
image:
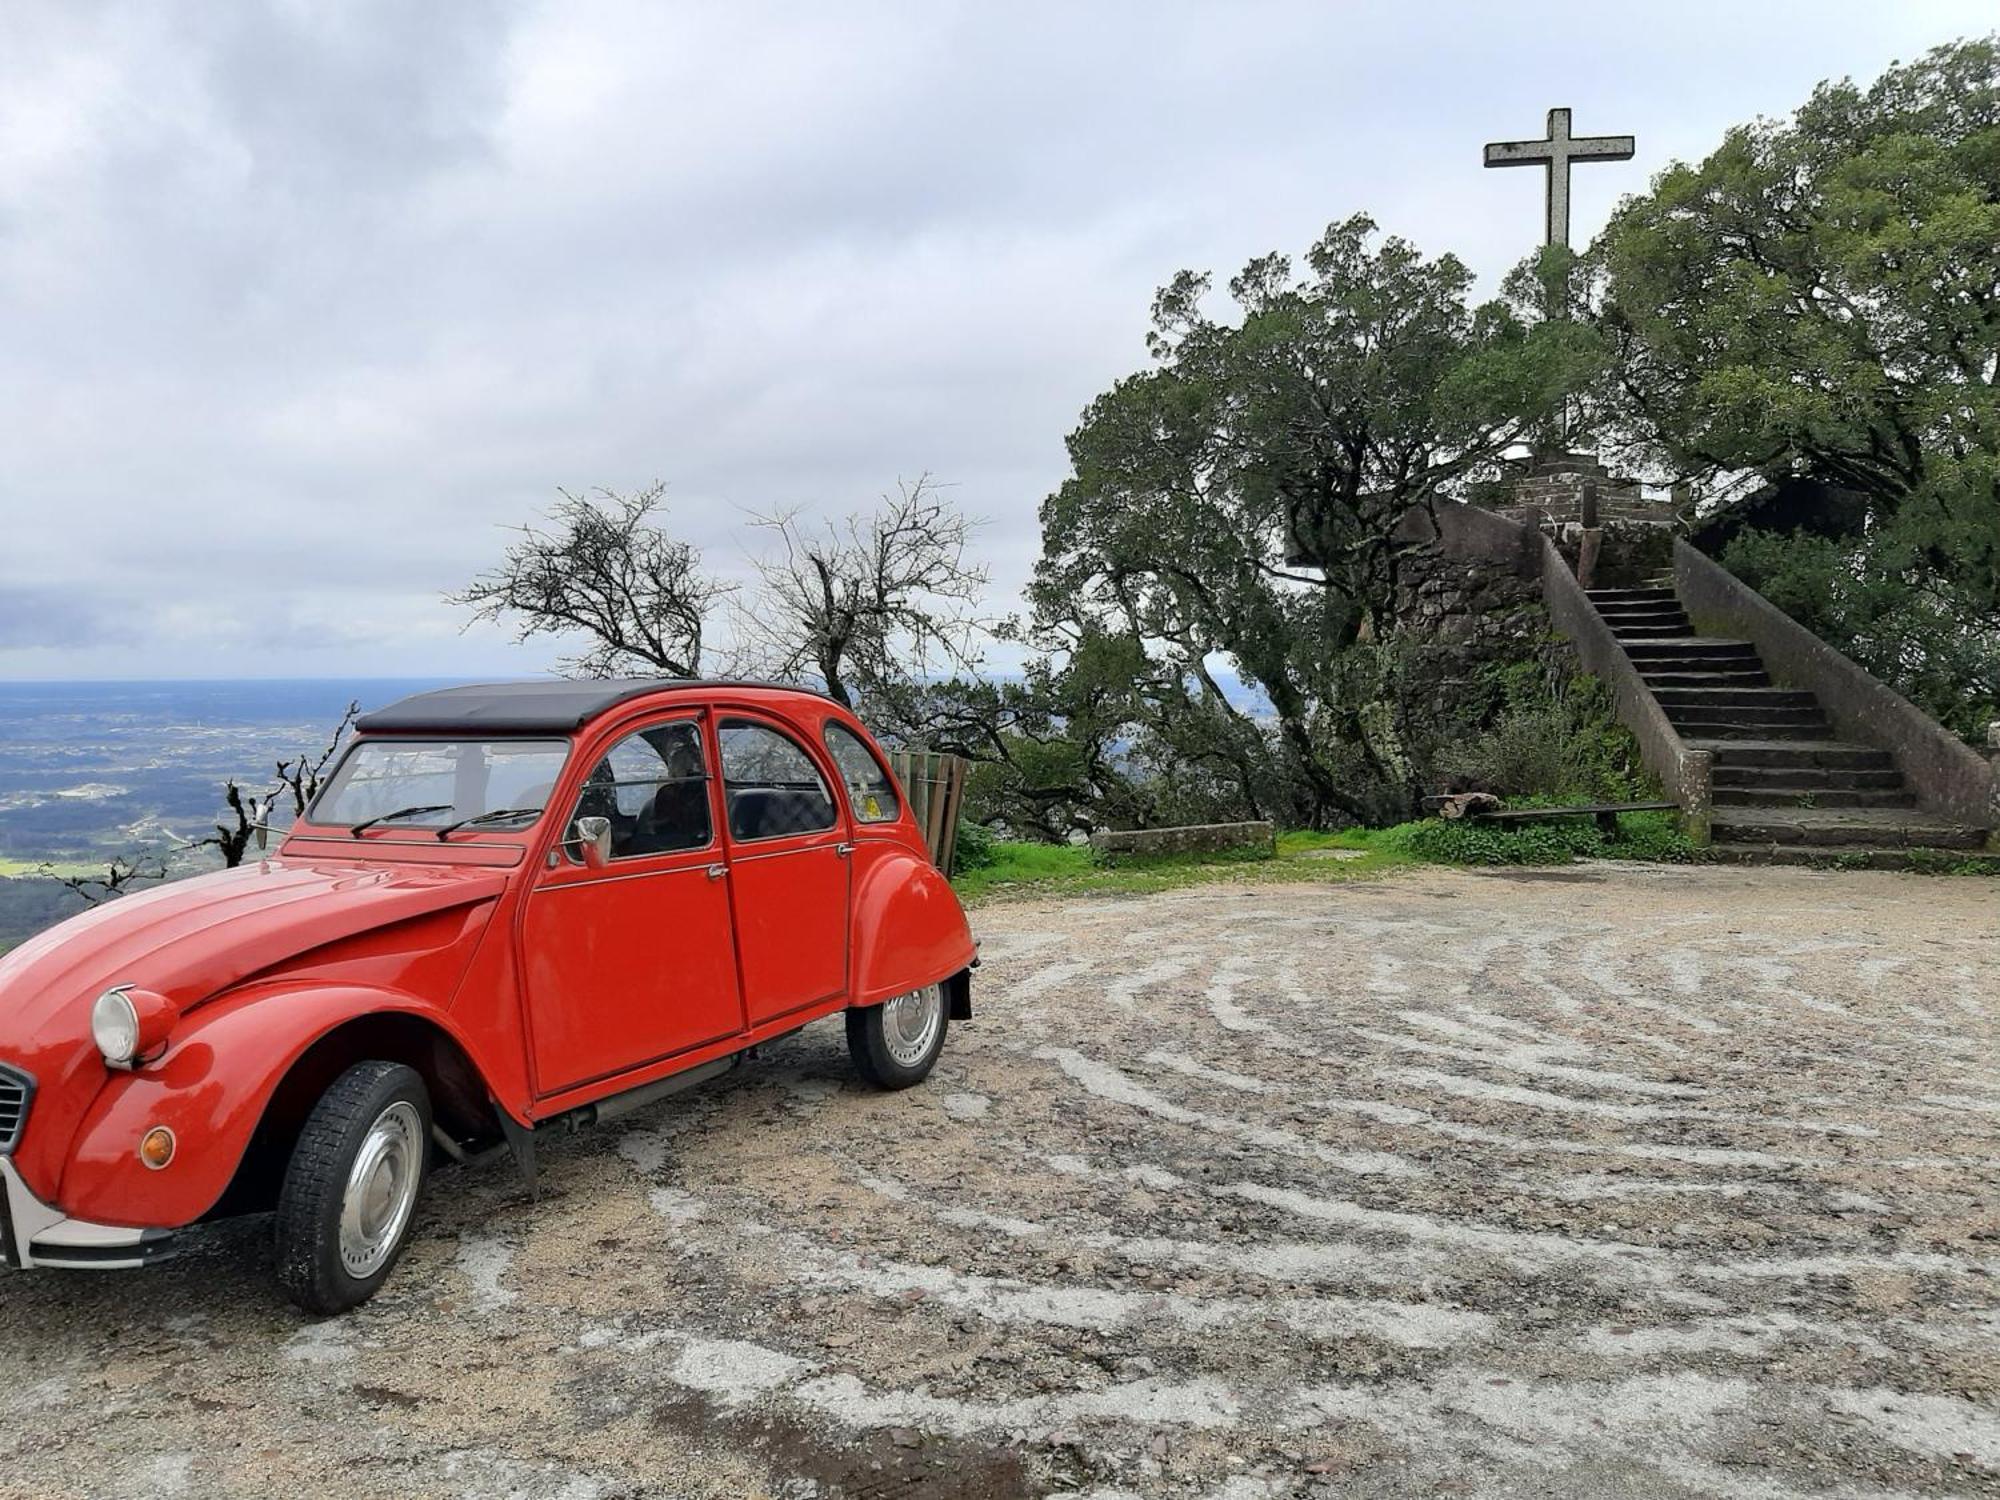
{"points": [[653, 787], [773, 787], [871, 791]]}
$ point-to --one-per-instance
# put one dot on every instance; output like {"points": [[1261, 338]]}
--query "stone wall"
{"points": [[1201, 838], [1551, 494], [1474, 585]]}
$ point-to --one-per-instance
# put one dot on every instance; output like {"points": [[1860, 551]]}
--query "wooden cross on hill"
{"points": [[1556, 153]]}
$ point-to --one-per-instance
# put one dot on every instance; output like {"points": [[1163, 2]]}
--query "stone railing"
{"points": [[1947, 775], [1687, 774], [1466, 531]]}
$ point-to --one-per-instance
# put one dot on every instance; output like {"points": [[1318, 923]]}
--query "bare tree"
{"points": [[248, 814], [605, 571], [878, 599], [302, 775], [123, 870]]}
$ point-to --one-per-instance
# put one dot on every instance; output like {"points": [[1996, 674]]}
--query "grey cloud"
{"points": [[302, 302], [64, 619]]}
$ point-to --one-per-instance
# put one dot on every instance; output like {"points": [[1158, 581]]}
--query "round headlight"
{"points": [[114, 1026]]}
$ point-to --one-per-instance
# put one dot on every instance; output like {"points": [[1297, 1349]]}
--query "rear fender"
{"points": [[909, 929], [213, 1089]]}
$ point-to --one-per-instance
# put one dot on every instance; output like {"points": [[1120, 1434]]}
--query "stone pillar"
{"points": [[1697, 791], [1993, 792]]}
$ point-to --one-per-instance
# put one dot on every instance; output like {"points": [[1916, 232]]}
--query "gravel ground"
{"points": [[1611, 1181]]}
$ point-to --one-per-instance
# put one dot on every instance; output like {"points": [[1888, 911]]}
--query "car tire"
{"points": [[351, 1190], [896, 1044]]}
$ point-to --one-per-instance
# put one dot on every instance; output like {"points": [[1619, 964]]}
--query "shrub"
{"points": [[1554, 739], [1648, 836], [973, 846]]}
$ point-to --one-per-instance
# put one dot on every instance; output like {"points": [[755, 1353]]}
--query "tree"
{"points": [[603, 570], [1047, 749], [122, 872], [877, 600], [1820, 299], [1245, 501], [248, 815]]}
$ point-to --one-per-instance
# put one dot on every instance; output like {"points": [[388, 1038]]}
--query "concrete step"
{"points": [[1697, 677], [1619, 619], [1855, 827], [1667, 661], [1696, 730], [1706, 646], [1734, 697], [1787, 723], [1842, 856], [1677, 632], [1783, 797], [1601, 597], [1789, 752], [1727, 668], [1778, 781]]}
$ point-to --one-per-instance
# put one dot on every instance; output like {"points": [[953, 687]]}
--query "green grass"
{"points": [[1071, 870], [1014, 870]]}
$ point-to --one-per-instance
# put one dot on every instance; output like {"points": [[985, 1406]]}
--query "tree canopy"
{"points": [[1820, 298], [1244, 501]]}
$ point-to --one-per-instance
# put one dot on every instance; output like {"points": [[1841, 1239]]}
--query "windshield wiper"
{"points": [[494, 816], [402, 812]]}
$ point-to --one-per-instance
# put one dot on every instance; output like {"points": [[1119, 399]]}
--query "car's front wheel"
{"points": [[352, 1187], [896, 1043]]}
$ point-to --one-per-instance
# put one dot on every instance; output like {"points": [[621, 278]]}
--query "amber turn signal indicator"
{"points": [[157, 1148]]}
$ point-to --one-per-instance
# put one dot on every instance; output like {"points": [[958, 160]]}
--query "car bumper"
{"points": [[34, 1234]]}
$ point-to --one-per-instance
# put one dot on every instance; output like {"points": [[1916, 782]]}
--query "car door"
{"points": [[631, 961], [788, 868]]}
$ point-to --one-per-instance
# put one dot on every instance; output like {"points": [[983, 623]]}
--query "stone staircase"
{"points": [[1786, 790]]}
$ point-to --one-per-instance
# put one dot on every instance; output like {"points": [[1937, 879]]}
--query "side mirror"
{"points": [[593, 837]]}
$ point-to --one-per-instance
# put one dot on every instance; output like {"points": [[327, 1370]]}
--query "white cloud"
{"points": [[304, 301]]}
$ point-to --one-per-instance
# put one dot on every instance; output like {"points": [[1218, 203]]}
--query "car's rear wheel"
{"points": [[351, 1190], [896, 1043]]}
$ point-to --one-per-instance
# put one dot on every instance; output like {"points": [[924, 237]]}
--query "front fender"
{"points": [[210, 1089], [909, 929]]}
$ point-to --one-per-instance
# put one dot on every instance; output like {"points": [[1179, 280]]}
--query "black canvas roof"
{"points": [[546, 707]]}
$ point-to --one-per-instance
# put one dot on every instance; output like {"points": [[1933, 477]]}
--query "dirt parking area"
{"points": [[1609, 1181]]}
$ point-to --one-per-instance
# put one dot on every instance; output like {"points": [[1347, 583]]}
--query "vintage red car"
{"points": [[511, 908]]}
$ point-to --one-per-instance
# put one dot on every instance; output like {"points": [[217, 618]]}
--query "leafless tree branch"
{"points": [[877, 599], [605, 571]]}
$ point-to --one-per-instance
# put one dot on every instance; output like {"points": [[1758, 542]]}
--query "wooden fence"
{"points": [[933, 785]]}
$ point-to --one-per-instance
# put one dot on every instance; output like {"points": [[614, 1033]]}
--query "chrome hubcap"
{"points": [[381, 1190], [910, 1024]]}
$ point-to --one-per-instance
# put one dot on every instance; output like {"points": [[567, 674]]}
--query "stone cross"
{"points": [[1556, 153]]}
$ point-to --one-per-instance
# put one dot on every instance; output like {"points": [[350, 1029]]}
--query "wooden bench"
{"points": [[1606, 814]]}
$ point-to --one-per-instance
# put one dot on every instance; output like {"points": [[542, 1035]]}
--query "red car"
{"points": [[511, 908]]}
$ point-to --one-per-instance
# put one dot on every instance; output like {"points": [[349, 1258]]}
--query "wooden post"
{"points": [[933, 787]]}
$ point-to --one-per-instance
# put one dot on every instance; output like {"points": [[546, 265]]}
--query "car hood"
{"points": [[194, 938], [189, 941]]}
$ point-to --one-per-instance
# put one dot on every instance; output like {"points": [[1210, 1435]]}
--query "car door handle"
{"points": [[716, 872], [843, 850]]}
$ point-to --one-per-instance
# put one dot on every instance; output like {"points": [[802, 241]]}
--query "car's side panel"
{"points": [[909, 929], [211, 1089], [626, 966], [788, 891]]}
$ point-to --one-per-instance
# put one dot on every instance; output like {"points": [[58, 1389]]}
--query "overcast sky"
{"points": [[300, 303]]}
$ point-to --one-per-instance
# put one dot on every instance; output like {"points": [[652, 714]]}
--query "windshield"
{"points": [[434, 783]]}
